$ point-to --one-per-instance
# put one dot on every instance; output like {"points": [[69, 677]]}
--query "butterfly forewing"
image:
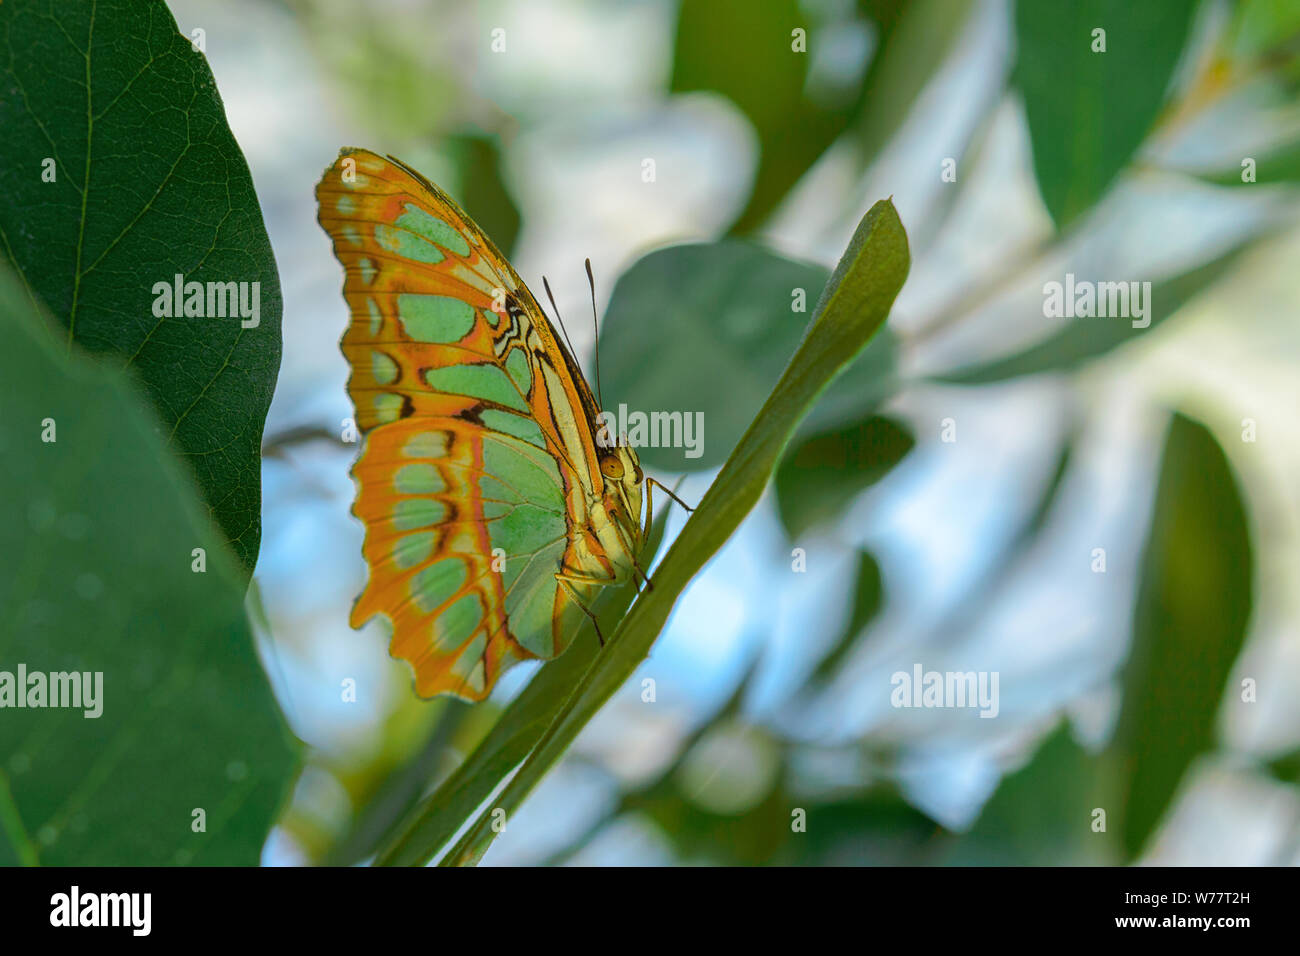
{"points": [[479, 460]]}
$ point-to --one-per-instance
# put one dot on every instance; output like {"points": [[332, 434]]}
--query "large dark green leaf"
{"points": [[1088, 112], [1193, 605], [149, 184], [99, 578], [1084, 339], [708, 328], [819, 477]]}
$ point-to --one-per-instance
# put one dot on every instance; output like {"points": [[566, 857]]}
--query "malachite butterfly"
{"points": [[492, 513]]}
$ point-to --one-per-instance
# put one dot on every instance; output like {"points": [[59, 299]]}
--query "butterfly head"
{"points": [[622, 494]]}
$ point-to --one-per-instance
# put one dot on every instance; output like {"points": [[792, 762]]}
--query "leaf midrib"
{"points": [[85, 182]]}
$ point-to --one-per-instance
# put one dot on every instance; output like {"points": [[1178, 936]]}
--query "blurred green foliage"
{"points": [[1083, 341], [796, 113], [1045, 813], [419, 106], [1094, 75], [1194, 602], [821, 476], [868, 597]]}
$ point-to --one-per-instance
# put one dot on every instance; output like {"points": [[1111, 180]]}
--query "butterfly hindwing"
{"points": [[478, 456], [465, 529]]}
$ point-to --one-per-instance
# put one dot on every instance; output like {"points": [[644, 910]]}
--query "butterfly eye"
{"points": [[611, 467]]}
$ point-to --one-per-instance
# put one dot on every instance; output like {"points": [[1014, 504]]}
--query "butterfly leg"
{"points": [[650, 484], [564, 578], [645, 534], [649, 511], [636, 569], [668, 491]]}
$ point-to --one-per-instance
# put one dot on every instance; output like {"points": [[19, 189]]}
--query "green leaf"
{"points": [[720, 341], [483, 190], [797, 115], [758, 70], [438, 816], [398, 785], [874, 828], [723, 799], [1042, 814], [915, 38], [1088, 111], [1085, 339], [101, 539], [1262, 26], [868, 598], [1193, 605], [111, 100], [1286, 767], [819, 478], [852, 308]]}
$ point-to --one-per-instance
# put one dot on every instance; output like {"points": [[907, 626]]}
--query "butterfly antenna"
{"points": [[595, 328], [547, 286]]}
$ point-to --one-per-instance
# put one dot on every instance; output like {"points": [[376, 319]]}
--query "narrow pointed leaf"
{"points": [[1194, 603], [852, 308], [1085, 339]]}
